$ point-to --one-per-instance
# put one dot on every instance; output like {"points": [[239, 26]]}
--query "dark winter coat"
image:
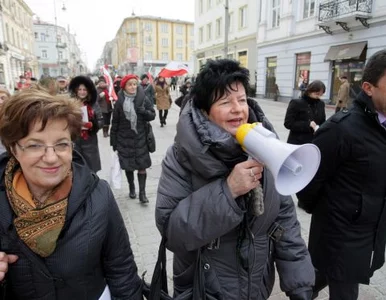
{"points": [[132, 147], [347, 196], [195, 200], [93, 248], [89, 148], [149, 92], [104, 104], [300, 113]]}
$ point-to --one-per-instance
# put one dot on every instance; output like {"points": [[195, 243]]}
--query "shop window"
{"points": [[303, 61], [243, 58], [270, 84]]}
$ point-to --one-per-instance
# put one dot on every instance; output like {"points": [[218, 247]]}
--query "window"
{"points": [[218, 27], [201, 6], [179, 43], [230, 55], [165, 56], [201, 35], [36, 35], [2, 74], [164, 42], [218, 1], [149, 55], [132, 27], [164, 28], [209, 4], [180, 29], [44, 54], [303, 61], [275, 13], [7, 31], [42, 37], [308, 8], [148, 40], [231, 21], [60, 53], [243, 58], [59, 38], [179, 56], [13, 36], [132, 41], [209, 31], [192, 30], [243, 17], [148, 26], [191, 45]]}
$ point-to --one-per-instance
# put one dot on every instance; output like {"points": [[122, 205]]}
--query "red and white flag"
{"points": [[174, 68], [110, 83]]}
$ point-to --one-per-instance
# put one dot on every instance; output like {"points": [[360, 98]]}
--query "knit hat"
{"points": [[126, 79]]}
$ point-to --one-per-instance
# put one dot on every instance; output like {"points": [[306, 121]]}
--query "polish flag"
{"points": [[174, 68], [151, 79], [109, 82]]}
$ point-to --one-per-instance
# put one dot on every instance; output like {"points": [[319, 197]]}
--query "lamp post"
{"points": [[56, 36]]}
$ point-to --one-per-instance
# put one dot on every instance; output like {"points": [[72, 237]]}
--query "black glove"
{"points": [[141, 110]]}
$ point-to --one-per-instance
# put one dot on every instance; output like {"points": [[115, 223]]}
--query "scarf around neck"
{"points": [[129, 110], [37, 224]]}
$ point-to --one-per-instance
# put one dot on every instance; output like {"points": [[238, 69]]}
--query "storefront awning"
{"points": [[347, 51]]}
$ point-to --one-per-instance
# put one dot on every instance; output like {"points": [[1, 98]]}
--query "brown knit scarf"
{"points": [[37, 224]]}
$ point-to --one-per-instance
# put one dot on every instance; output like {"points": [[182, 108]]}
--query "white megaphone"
{"points": [[292, 166]]}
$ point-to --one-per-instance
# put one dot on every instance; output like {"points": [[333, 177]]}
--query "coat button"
{"points": [[206, 266]]}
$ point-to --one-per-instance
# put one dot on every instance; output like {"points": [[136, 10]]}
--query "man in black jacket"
{"points": [[347, 196]]}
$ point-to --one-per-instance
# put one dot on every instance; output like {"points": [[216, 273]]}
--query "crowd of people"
{"points": [[62, 235]]}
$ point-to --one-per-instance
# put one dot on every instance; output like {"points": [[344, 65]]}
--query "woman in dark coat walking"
{"points": [[82, 89], [128, 134], [105, 103], [305, 115]]}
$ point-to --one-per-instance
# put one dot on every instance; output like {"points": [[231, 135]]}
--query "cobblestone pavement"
{"points": [[139, 219]]}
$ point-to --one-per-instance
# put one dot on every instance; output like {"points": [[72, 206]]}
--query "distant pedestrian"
{"points": [[83, 90], [148, 88], [128, 134], [305, 115], [343, 94], [4, 96], [62, 85], [105, 103], [347, 196], [303, 87], [163, 99]]}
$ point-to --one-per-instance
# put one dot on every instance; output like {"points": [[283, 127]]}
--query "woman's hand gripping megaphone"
{"points": [[244, 177]]}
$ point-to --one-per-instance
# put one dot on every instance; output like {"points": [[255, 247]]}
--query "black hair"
{"points": [[143, 76], [375, 68], [315, 87], [214, 81], [343, 77]]}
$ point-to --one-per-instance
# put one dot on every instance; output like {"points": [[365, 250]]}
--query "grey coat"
{"points": [[195, 200]]}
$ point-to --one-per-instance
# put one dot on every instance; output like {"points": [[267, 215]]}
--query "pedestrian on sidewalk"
{"points": [[347, 196], [163, 99], [4, 96], [82, 89], [305, 115], [128, 135], [211, 198], [148, 88], [343, 94], [105, 103], [61, 232]]}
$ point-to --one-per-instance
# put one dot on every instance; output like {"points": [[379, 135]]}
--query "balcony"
{"points": [[63, 60], [61, 45], [341, 12]]}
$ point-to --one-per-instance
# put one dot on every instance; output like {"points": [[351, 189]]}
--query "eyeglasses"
{"points": [[36, 150]]}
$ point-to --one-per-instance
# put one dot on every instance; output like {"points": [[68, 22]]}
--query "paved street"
{"points": [[139, 219]]}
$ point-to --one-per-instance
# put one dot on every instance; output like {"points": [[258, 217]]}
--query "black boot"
{"points": [[142, 185], [165, 115], [105, 131], [130, 180], [161, 119]]}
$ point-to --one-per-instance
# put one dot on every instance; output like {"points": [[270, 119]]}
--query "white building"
{"points": [[311, 39], [17, 53], [57, 51], [210, 32]]}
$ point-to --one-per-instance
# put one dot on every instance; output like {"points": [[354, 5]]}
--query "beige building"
{"points": [[18, 47], [142, 42]]}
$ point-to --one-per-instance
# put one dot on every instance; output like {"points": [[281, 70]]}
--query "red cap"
{"points": [[126, 79]]}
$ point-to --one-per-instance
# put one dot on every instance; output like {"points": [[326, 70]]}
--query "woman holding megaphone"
{"points": [[219, 211]]}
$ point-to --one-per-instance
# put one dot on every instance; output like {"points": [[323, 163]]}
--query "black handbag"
{"points": [[150, 139]]}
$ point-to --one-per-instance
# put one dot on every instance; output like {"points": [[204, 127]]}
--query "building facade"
{"points": [[144, 42], [311, 39], [17, 53], [210, 32], [57, 51]]}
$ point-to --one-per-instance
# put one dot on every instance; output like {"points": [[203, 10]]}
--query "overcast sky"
{"points": [[96, 22]]}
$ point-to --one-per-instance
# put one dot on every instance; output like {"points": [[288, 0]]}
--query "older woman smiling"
{"points": [[61, 232]]}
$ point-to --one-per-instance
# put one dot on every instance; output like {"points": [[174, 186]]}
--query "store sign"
{"points": [[17, 56]]}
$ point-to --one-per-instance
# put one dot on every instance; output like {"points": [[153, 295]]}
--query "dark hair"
{"points": [[143, 76], [29, 106], [314, 87], [214, 81], [343, 77], [375, 68]]}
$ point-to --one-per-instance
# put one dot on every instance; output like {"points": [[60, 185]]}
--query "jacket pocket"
{"points": [[369, 210]]}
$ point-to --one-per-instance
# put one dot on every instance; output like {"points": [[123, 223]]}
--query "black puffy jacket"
{"points": [[93, 248]]}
